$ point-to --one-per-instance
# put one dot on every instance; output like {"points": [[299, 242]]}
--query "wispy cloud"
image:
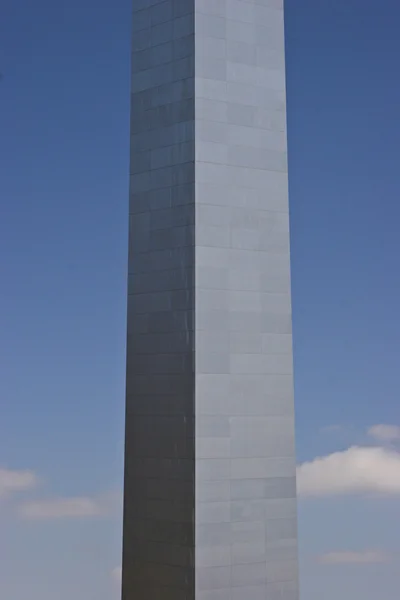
{"points": [[16, 481], [70, 508], [356, 470], [385, 433], [346, 557]]}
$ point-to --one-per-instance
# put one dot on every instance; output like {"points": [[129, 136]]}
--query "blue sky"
{"points": [[64, 114]]}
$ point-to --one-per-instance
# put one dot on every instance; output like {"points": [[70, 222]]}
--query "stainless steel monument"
{"points": [[210, 491]]}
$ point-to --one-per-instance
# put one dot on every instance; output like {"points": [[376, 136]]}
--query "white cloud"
{"points": [[356, 470], [346, 557], [16, 481], [117, 574], [68, 508], [385, 433]]}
